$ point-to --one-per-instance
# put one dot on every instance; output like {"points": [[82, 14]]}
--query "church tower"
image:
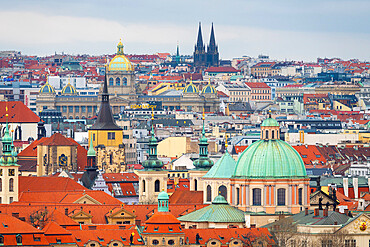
{"points": [[152, 179], [108, 137], [8, 168], [199, 50], [212, 51], [202, 165]]}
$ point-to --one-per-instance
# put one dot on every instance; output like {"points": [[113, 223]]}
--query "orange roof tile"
{"points": [[18, 113], [186, 197], [48, 184]]}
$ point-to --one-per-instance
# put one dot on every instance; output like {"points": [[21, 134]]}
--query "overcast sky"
{"points": [[283, 29]]}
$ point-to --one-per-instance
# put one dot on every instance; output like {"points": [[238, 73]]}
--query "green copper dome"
{"points": [[270, 159], [219, 211], [152, 163], [163, 196], [223, 168], [270, 122]]}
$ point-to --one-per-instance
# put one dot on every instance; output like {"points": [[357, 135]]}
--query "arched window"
{"points": [[143, 185], [111, 81], [266, 134], [157, 186], [237, 196], [118, 81], [222, 190], [273, 134], [1, 185], [256, 197], [300, 196], [11, 185], [124, 81], [281, 197], [19, 239], [1, 239], [209, 193], [195, 185]]}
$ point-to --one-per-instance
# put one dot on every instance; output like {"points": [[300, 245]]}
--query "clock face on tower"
{"points": [[11, 172]]}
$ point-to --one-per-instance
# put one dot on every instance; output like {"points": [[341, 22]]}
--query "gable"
{"points": [[122, 213], [81, 215], [358, 225], [86, 199], [314, 199]]}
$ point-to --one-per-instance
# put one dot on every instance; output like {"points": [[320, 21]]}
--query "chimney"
{"points": [[317, 212], [336, 223], [345, 186], [325, 212], [306, 211], [66, 211], [337, 210], [355, 186], [346, 211]]}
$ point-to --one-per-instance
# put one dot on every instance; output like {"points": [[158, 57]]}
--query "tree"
{"points": [[284, 231], [336, 238], [39, 218]]}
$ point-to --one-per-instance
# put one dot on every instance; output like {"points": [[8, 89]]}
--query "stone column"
{"points": [[290, 195], [247, 195]]}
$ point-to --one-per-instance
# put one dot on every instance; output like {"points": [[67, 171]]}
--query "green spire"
{"points": [[9, 157], [178, 53], [91, 151], [153, 163], [163, 199], [203, 162]]}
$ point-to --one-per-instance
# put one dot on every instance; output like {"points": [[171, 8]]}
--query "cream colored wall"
{"points": [[215, 183], [313, 139], [172, 146], [5, 194], [149, 196]]}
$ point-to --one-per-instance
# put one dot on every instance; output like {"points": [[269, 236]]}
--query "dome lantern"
{"points": [[120, 62]]}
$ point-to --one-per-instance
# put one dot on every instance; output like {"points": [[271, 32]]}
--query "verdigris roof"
{"points": [[270, 159], [223, 168], [218, 212], [270, 122]]}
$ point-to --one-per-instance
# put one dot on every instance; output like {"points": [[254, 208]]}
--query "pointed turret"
{"points": [[204, 162], [91, 155], [105, 120], [212, 41], [152, 163], [212, 50], [177, 54], [200, 44]]}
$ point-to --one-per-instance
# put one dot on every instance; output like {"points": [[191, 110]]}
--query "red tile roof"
{"points": [[184, 197], [257, 85], [17, 113], [225, 236], [58, 140], [310, 153], [222, 70], [48, 184], [120, 177]]}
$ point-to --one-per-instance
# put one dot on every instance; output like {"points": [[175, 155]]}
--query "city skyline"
{"points": [[282, 30]]}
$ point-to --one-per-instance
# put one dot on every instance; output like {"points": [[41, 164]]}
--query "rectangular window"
{"points": [[111, 135], [77, 109], [64, 108], [95, 108], [70, 109], [83, 109], [350, 243], [58, 108], [93, 137], [89, 109]]}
